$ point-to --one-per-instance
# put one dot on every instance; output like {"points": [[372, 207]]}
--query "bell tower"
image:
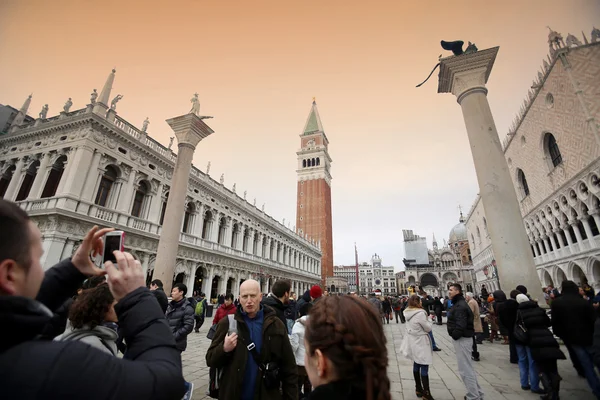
{"points": [[313, 212]]}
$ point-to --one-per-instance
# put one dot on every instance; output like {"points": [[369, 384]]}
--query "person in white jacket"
{"points": [[297, 342], [416, 345]]}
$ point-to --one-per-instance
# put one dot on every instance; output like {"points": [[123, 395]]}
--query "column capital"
{"points": [[463, 74], [190, 129]]}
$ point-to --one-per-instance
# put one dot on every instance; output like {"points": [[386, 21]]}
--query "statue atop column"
{"points": [[145, 124], [222, 180], [113, 103], [93, 97], [254, 202], [233, 188], [208, 168], [171, 142], [44, 111], [68, 105], [245, 192], [195, 105], [263, 207]]}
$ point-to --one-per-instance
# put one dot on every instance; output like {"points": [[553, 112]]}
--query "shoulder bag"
{"points": [[520, 331]]}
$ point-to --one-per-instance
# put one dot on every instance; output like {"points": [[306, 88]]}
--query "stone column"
{"points": [[465, 76], [227, 232], [259, 247], [68, 249], [145, 260], [13, 186], [559, 237], [156, 205], [207, 283], [553, 242], [189, 129], [240, 237], [78, 170], [596, 217], [68, 166], [547, 245], [587, 227], [190, 279], [126, 195], [90, 186], [199, 221], [573, 223], [267, 254], [568, 235], [40, 176], [214, 227]]}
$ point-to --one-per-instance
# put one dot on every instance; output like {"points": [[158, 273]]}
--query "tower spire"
{"points": [[20, 117], [103, 100], [313, 123]]}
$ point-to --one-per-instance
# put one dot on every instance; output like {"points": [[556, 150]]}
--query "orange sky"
{"points": [[400, 155]]}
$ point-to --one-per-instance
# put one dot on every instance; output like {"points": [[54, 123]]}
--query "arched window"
{"points": [[187, 218], [106, 184], [206, 224], [54, 177], [5, 179], [164, 208], [523, 182], [312, 162], [222, 225], [318, 161], [139, 198], [552, 148], [303, 163], [27, 181]]}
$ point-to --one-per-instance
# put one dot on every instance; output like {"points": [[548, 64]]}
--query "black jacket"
{"points": [[541, 341], [275, 347], [180, 316], [573, 317], [36, 369], [460, 319], [277, 306], [338, 390], [507, 313], [161, 296], [596, 343]]}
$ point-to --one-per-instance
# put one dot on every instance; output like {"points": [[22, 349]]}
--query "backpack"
{"points": [[200, 307]]}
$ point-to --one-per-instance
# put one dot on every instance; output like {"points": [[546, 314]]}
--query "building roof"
{"points": [[459, 232], [313, 123]]}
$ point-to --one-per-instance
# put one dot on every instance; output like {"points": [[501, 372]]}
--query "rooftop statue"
{"points": [[44, 111], [145, 124], [456, 47], [573, 41], [113, 103], [208, 168], [195, 105], [595, 35], [67, 105], [93, 97], [171, 142], [222, 180]]}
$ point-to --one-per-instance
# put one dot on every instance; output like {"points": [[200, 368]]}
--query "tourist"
{"points": [[290, 312], [461, 329], [35, 369], [156, 286], [589, 291], [438, 308], [507, 314], [476, 324], [226, 309], [484, 292], [93, 320], [426, 302], [498, 305], [376, 303], [278, 299], [315, 293], [526, 315], [397, 307], [180, 315], [238, 363], [573, 321], [200, 312], [297, 342], [346, 353], [416, 345], [543, 347], [492, 318], [220, 300], [386, 307]]}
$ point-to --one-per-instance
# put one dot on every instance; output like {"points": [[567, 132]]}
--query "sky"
{"points": [[401, 156]]}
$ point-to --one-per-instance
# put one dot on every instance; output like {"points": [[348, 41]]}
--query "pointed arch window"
{"points": [[106, 184], [139, 199], [523, 182], [552, 149], [27, 181], [303, 163], [187, 218], [54, 177], [319, 161]]}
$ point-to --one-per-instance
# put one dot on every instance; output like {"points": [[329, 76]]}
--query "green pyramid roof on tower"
{"points": [[313, 123]]}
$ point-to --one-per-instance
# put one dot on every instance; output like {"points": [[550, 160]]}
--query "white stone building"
{"points": [[347, 272], [553, 153], [91, 167], [447, 265], [376, 277]]}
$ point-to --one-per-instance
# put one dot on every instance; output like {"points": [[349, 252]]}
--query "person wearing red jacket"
{"points": [[227, 308]]}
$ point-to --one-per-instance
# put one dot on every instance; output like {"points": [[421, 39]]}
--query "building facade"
{"points": [[446, 265], [348, 272], [313, 212], [375, 277], [83, 168], [401, 286], [553, 153], [337, 285]]}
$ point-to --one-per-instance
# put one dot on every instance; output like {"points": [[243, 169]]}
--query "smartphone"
{"points": [[114, 240]]}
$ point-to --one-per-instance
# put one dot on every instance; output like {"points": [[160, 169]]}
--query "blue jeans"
{"points": [[433, 345], [527, 368], [421, 368], [585, 358]]}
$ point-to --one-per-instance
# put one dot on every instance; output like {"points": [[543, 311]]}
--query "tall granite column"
{"points": [[189, 130], [465, 77]]}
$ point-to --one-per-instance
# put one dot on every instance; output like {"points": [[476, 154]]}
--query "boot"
{"points": [[547, 383], [555, 386], [426, 392], [418, 387]]}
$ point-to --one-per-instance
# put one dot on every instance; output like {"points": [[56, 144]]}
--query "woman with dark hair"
{"points": [[346, 355], [93, 320], [227, 308], [416, 345]]}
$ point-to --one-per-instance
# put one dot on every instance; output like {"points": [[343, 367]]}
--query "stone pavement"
{"points": [[498, 378]]}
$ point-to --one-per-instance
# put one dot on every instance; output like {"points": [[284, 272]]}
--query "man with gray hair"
{"points": [[477, 326]]}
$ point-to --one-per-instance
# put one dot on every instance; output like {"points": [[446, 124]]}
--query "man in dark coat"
{"points": [[461, 329], [180, 315], [256, 325], [278, 298], [507, 315], [35, 369], [156, 286], [573, 320]]}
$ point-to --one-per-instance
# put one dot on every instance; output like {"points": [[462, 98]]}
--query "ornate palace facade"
{"points": [[91, 167]]}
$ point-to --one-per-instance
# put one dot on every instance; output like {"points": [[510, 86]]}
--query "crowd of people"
{"points": [[76, 323]]}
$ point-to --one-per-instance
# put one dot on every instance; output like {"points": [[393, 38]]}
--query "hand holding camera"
{"points": [[230, 342], [127, 277], [92, 244]]}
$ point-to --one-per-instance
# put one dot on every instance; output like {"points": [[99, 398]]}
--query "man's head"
{"points": [[454, 290], [202, 295], [293, 296], [250, 297], [326, 292], [468, 296], [155, 284], [281, 290], [515, 293], [228, 299], [178, 292], [21, 273]]}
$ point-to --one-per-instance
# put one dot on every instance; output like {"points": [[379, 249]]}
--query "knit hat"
{"points": [[316, 292], [521, 298]]}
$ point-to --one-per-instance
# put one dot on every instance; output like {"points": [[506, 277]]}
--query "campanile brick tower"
{"points": [[313, 212]]}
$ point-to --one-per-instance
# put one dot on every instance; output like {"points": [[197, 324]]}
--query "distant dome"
{"points": [[459, 232]]}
